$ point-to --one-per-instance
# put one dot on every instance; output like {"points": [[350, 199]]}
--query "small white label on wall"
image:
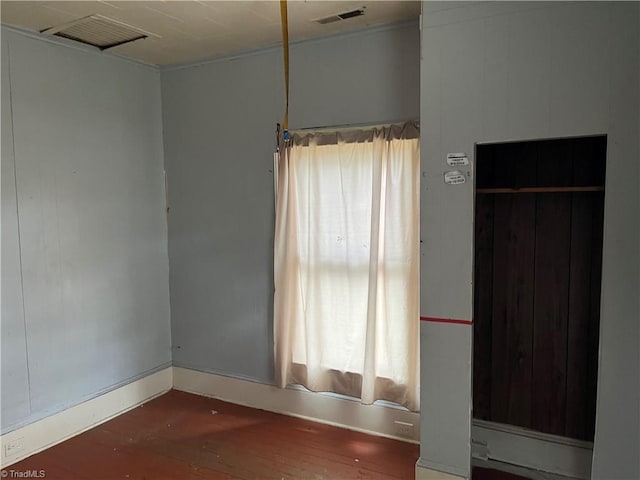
{"points": [[455, 159], [454, 178]]}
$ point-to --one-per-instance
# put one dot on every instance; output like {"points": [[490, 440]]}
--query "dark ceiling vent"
{"points": [[98, 31], [351, 14], [341, 16]]}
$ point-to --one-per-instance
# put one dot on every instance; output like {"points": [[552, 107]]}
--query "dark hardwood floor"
{"points": [[184, 436]]}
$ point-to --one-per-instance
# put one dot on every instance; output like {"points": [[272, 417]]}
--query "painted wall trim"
{"points": [[277, 47], [568, 458], [76, 46], [41, 415], [370, 419], [547, 437], [426, 470], [220, 373], [45, 433]]}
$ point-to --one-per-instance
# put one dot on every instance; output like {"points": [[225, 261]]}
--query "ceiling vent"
{"points": [[98, 31], [340, 16]]}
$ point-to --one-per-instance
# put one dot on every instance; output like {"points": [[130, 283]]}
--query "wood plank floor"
{"points": [[183, 436]]}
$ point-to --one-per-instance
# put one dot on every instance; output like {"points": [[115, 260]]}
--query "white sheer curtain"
{"points": [[346, 297]]}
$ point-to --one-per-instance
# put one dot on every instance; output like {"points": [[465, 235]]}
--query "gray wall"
{"points": [[219, 134], [85, 303], [15, 384], [512, 71]]}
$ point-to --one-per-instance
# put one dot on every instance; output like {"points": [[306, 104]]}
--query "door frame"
{"points": [[516, 449]]}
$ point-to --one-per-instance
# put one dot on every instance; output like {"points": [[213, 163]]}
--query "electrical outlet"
{"points": [[12, 447], [404, 429]]}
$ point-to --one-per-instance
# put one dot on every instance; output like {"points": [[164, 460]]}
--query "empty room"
{"points": [[308, 239]]}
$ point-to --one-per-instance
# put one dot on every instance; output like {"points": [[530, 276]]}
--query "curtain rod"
{"points": [[352, 125]]}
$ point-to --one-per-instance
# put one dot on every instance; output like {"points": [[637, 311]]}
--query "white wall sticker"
{"points": [[454, 177], [455, 159]]}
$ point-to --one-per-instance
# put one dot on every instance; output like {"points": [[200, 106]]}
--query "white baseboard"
{"points": [[535, 451], [340, 412], [425, 473], [49, 431]]}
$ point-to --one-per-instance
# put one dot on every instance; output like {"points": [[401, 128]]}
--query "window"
{"points": [[347, 263]]}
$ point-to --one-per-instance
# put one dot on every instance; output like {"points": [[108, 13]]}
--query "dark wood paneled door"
{"points": [[537, 277]]}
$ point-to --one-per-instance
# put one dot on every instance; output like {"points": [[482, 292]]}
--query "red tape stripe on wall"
{"points": [[446, 320]]}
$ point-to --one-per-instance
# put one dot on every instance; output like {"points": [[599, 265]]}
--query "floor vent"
{"points": [[98, 31]]}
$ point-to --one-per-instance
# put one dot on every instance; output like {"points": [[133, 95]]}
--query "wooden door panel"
{"points": [[594, 311], [483, 307], [550, 311], [579, 312], [513, 273], [537, 277]]}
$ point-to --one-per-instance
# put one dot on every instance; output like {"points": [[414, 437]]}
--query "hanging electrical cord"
{"points": [[285, 47]]}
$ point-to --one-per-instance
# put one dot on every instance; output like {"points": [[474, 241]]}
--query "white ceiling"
{"points": [[188, 31]]}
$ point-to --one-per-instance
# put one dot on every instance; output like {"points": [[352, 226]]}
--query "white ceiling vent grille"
{"points": [[340, 16], [98, 31]]}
